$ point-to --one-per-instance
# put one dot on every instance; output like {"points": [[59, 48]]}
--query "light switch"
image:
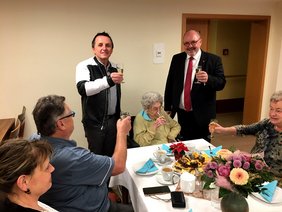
{"points": [[158, 53]]}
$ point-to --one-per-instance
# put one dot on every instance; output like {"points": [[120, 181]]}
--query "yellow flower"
{"points": [[224, 153], [239, 176]]}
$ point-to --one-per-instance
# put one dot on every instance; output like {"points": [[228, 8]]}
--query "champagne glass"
{"points": [[160, 113], [212, 125], [124, 114], [199, 68], [120, 69]]}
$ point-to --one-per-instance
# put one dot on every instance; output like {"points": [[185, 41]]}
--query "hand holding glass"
{"points": [[124, 114], [199, 68], [212, 125], [120, 69]]}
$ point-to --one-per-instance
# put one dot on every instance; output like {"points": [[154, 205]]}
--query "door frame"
{"points": [[260, 26]]}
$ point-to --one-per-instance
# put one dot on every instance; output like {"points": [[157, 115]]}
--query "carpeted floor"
{"points": [[243, 143]]}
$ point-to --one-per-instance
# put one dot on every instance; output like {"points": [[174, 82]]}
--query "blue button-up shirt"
{"points": [[79, 180]]}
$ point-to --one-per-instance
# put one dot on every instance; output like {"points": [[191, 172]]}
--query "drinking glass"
{"points": [[212, 125], [199, 68], [120, 69], [215, 200], [124, 114]]}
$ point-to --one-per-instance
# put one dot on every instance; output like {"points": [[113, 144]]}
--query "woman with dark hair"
{"points": [[25, 174]]}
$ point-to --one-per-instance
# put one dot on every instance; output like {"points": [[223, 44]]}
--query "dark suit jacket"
{"points": [[203, 97]]}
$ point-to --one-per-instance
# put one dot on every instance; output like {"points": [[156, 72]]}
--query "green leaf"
{"points": [[223, 192]]}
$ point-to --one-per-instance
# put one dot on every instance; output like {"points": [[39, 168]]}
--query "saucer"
{"points": [[168, 161], [160, 179]]}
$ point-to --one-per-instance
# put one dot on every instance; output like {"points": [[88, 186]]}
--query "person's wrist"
{"points": [[110, 81]]}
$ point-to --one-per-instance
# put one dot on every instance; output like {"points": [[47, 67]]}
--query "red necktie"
{"points": [[187, 86]]}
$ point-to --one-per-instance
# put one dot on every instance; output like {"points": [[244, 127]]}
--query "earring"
{"points": [[27, 191]]}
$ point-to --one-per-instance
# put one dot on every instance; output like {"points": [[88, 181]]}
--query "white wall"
{"points": [[42, 41]]}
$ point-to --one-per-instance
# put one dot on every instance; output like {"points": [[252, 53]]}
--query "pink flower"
{"points": [[237, 163], [239, 176], [223, 182], [210, 174], [223, 171], [246, 165], [213, 165], [259, 165]]}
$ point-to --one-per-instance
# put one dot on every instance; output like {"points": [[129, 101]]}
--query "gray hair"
{"points": [[276, 96], [45, 113], [149, 98]]}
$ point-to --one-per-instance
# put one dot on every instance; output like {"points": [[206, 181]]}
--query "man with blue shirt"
{"points": [[79, 182]]}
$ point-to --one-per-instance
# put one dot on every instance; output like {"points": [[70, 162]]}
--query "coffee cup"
{"points": [[167, 173], [187, 182], [160, 155], [191, 147]]}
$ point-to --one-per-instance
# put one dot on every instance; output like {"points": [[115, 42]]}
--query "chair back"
{"points": [[15, 132], [131, 143], [21, 117]]}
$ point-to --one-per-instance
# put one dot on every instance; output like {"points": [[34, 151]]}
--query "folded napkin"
{"points": [[148, 167], [166, 148], [212, 152], [269, 190]]}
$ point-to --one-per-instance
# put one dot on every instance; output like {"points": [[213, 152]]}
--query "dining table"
{"points": [[6, 127], [143, 203]]}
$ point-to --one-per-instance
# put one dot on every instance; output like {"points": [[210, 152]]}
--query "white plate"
{"points": [[277, 197], [139, 165], [160, 180]]}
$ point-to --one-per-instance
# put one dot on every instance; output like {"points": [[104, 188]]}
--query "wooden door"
{"points": [[255, 72], [201, 26]]}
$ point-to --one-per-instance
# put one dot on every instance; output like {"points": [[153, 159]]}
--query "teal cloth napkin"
{"points": [[269, 191], [148, 167], [213, 151], [167, 149]]}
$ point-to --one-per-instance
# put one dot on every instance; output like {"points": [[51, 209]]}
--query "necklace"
{"points": [[278, 128]]}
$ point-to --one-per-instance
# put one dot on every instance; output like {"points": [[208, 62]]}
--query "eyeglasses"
{"points": [[192, 43], [71, 114]]}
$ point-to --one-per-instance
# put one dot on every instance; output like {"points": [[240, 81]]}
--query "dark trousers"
{"points": [[119, 207], [190, 128], [102, 141]]}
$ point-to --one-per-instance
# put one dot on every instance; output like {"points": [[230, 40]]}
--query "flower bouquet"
{"points": [[236, 172], [178, 149]]}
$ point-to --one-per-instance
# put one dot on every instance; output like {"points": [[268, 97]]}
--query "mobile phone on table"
{"points": [[178, 199], [156, 190]]}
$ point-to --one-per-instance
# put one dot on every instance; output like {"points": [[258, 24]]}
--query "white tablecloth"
{"points": [[141, 203]]}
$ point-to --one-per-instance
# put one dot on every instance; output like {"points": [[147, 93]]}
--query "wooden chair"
{"points": [[16, 131], [21, 117]]}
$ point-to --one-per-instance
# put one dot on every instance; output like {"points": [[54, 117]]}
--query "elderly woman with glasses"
{"points": [[268, 134], [152, 125]]}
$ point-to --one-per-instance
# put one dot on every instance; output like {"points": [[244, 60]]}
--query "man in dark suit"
{"points": [[193, 98]]}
